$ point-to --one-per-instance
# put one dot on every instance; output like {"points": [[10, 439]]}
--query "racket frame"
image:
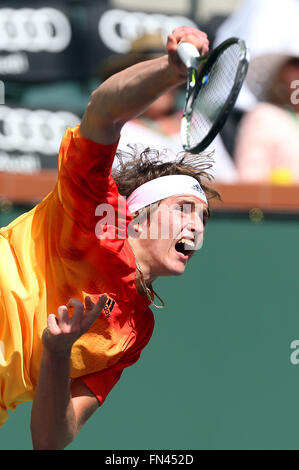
{"points": [[195, 83]]}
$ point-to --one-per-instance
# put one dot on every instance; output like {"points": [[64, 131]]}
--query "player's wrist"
{"points": [[174, 74], [53, 348], [171, 74], [56, 355]]}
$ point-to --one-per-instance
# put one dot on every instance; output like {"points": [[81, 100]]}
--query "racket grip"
{"points": [[188, 54]]}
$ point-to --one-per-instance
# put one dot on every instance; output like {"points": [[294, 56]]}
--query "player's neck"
{"points": [[143, 268], [144, 277]]}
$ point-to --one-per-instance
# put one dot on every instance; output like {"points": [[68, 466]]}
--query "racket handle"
{"points": [[188, 54]]}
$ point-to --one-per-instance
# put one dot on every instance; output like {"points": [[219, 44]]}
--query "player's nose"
{"points": [[196, 224]]}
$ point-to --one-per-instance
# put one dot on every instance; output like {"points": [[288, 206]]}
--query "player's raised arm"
{"points": [[128, 93]]}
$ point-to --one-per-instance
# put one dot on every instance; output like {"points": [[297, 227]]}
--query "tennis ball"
{"points": [[282, 176]]}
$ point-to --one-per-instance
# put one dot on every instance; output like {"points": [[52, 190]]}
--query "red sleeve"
{"points": [[101, 383], [85, 182]]}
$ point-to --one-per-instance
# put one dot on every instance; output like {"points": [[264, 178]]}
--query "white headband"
{"points": [[163, 187]]}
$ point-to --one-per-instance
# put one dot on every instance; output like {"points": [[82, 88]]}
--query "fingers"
{"points": [[75, 303], [201, 43], [88, 303], [66, 322], [71, 322], [101, 302], [78, 312], [81, 319], [53, 325], [63, 314], [188, 34], [93, 311]]}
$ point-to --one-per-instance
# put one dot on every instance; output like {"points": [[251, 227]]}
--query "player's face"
{"points": [[175, 232]]}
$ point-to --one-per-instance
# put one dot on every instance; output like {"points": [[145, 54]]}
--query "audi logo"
{"points": [[34, 30], [33, 131], [118, 28], [20, 164]]}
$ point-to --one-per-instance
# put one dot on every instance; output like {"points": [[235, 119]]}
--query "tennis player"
{"points": [[67, 358]]}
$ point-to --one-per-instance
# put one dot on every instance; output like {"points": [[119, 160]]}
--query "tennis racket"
{"points": [[213, 85]]}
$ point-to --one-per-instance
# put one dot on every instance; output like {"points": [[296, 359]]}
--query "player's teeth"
{"points": [[187, 242]]}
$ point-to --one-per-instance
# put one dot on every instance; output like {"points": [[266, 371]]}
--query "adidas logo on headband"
{"points": [[198, 188]]}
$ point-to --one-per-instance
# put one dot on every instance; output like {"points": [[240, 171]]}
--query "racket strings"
{"points": [[215, 88]]}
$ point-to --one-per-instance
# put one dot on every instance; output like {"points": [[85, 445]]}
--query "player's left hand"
{"points": [[64, 329]]}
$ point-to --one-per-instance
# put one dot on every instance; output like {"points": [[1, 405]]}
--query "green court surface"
{"points": [[217, 372]]}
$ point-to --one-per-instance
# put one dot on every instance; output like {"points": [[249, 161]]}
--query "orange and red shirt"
{"points": [[53, 253]]}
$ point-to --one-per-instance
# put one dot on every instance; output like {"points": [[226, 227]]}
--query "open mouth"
{"points": [[185, 247]]}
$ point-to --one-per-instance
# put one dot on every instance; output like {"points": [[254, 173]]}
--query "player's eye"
{"points": [[184, 208]]}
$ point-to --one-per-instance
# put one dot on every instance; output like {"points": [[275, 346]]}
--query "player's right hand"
{"points": [[64, 329], [185, 34]]}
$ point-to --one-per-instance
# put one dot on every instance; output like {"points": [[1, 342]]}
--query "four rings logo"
{"points": [[34, 30], [117, 28], [33, 131]]}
